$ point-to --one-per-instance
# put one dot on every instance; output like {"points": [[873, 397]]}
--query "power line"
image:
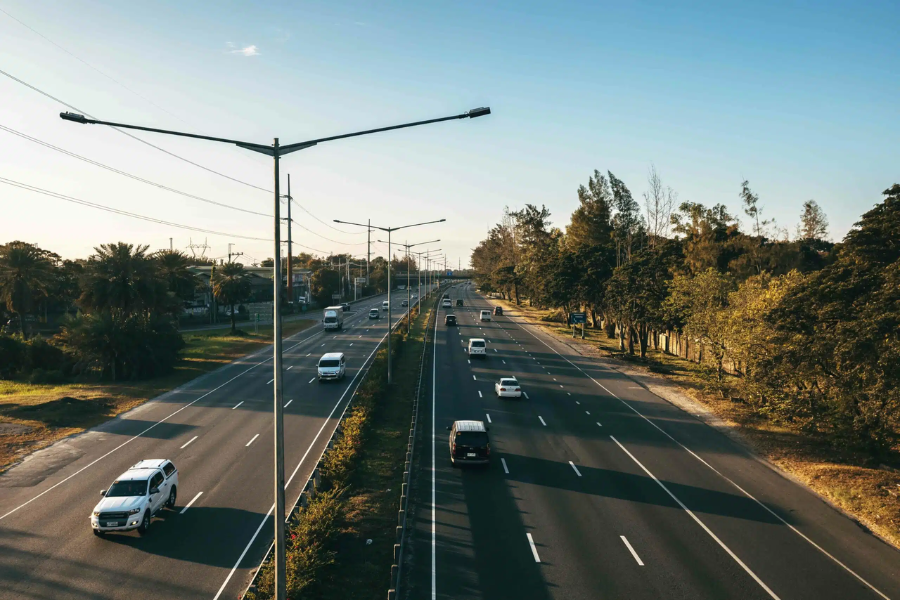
{"points": [[301, 226], [126, 213], [129, 175], [81, 60], [134, 137], [303, 208]]}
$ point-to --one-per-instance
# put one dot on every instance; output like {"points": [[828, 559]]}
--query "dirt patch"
{"points": [[14, 428]]}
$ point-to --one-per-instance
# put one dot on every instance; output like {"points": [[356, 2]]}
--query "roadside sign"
{"points": [[335, 296], [577, 318], [360, 280], [449, 273]]}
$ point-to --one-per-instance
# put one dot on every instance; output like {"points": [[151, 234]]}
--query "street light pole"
{"points": [[276, 151], [408, 299]]}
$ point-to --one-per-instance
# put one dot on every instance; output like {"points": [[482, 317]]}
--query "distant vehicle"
{"points": [[485, 315], [469, 443], [374, 314], [477, 347], [508, 387], [404, 303], [331, 366], [414, 296], [459, 302], [135, 497], [450, 320], [385, 305], [345, 306], [334, 318], [446, 295], [498, 310], [445, 303]]}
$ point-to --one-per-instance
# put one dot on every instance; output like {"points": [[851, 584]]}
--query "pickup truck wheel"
{"points": [[173, 495], [145, 524]]}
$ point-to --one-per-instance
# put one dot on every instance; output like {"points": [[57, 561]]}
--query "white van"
{"points": [[485, 315], [385, 305], [333, 318], [332, 366], [477, 347]]}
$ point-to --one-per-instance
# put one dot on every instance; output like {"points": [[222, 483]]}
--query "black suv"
{"points": [[459, 302], [469, 443], [498, 310], [450, 320]]}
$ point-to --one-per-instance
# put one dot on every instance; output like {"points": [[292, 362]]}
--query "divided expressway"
{"points": [[218, 430], [597, 489]]}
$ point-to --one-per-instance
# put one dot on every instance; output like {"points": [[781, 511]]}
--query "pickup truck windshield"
{"points": [[131, 487], [330, 363]]}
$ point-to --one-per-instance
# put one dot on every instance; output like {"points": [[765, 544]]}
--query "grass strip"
{"points": [[33, 416], [870, 492], [350, 555]]}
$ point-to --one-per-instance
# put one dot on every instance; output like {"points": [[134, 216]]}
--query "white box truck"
{"points": [[333, 318]]}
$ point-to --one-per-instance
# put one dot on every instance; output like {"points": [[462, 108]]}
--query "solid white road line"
{"points": [[542, 420], [488, 417], [577, 472], [252, 440], [598, 424], [288, 402], [537, 558], [633, 553], [505, 468], [716, 471], [236, 405], [188, 505], [479, 394], [189, 441], [698, 521], [311, 380]]}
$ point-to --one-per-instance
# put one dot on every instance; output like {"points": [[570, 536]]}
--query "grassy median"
{"points": [[341, 545], [33, 416], [870, 492]]}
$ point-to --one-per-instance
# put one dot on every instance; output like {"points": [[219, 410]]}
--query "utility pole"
{"points": [[368, 249], [290, 256], [171, 247], [408, 298], [230, 253]]}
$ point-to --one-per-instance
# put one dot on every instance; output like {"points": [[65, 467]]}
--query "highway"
{"points": [[597, 488], [218, 431]]}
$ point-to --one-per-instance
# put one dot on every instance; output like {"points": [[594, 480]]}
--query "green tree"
{"points": [[231, 287], [813, 222], [26, 274], [709, 236], [627, 221], [590, 223], [124, 280], [173, 268]]}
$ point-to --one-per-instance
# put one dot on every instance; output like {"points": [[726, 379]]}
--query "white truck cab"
{"points": [[135, 497], [332, 365], [333, 318], [385, 305]]}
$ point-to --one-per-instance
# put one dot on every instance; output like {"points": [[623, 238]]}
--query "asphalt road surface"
{"points": [[599, 489], [218, 430]]}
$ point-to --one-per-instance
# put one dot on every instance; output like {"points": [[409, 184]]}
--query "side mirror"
{"points": [[154, 491], [102, 492]]}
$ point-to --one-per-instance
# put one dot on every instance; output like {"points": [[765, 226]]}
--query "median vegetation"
{"points": [[341, 545], [790, 337]]}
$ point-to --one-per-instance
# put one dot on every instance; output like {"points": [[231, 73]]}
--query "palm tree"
{"points": [[25, 274], [173, 268], [231, 286], [124, 280]]}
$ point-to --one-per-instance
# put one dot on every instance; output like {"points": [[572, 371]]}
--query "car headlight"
{"points": [[134, 511], [96, 513]]}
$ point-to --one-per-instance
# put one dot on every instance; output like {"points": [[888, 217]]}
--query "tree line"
{"points": [[120, 307], [808, 328]]}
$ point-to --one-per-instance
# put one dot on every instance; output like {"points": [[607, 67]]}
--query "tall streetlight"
{"points": [[428, 275], [419, 272], [276, 151], [389, 230], [408, 299]]}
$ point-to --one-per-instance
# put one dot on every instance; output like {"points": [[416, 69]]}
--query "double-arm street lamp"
{"points": [[389, 230], [276, 151], [408, 298], [419, 271]]}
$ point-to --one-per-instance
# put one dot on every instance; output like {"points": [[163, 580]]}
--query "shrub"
{"points": [[42, 376], [12, 356], [39, 354]]}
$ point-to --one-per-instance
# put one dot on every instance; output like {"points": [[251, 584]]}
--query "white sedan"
{"points": [[508, 387]]}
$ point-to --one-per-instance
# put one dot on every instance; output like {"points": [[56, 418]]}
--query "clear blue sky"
{"points": [[801, 98]]}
